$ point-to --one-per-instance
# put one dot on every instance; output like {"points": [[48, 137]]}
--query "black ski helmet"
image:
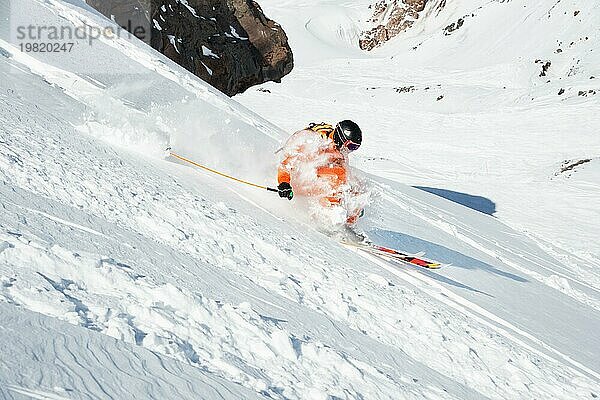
{"points": [[348, 134]]}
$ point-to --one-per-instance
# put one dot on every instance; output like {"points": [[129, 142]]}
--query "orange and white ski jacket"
{"points": [[330, 165]]}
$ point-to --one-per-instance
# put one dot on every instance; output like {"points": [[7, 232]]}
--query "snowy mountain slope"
{"points": [[101, 312], [107, 235], [104, 293], [467, 112]]}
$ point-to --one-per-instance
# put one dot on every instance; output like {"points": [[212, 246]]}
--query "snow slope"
{"points": [[51, 366], [466, 115], [182, 285]]}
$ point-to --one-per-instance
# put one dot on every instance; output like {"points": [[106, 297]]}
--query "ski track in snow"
{"points": [[36, 394], [475, 240], [438, 291]]}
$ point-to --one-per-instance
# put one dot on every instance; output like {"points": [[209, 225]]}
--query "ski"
{"points": [[412, 259]]}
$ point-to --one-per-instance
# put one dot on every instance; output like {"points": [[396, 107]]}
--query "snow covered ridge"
{"points": [[389, 19], [180, 285]]}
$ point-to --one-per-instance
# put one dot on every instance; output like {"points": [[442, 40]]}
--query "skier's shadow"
{"points": [[439, 253], [452, 282]]}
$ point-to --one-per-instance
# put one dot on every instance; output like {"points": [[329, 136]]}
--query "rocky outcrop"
{"points": [[454, 26], [390, 17], [230, 44]]}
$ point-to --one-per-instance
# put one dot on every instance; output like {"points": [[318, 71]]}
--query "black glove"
{"points": [[285, 191]]}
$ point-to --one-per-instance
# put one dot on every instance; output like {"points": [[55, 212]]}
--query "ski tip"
{"points": [[427, 265], [440, 266]]}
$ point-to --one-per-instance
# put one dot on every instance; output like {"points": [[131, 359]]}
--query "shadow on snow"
{"points": [[438, 253], [477, 203]]}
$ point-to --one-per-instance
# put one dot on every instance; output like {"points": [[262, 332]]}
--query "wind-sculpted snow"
{"points": [[234, 342], [58, 361], [229, 283]]}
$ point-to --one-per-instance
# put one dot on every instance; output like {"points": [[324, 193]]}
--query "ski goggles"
{"points": [[342, 140], [351, 146]]}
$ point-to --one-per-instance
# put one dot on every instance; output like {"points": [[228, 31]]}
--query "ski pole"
{"points": [[222, 174]]}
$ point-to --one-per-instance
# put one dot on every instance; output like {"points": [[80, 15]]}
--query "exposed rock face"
{"points": [[390, 17], [454, 26], [230, 44]]}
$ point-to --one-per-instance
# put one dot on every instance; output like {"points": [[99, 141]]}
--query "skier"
{"points": [[315, 164]]}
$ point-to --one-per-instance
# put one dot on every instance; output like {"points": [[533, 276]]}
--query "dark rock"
{"points": [[405, 89], [545, 66], [454, 26], [561, 92], [230, 44], [570, 165], [131, 15], [390, 17]]}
